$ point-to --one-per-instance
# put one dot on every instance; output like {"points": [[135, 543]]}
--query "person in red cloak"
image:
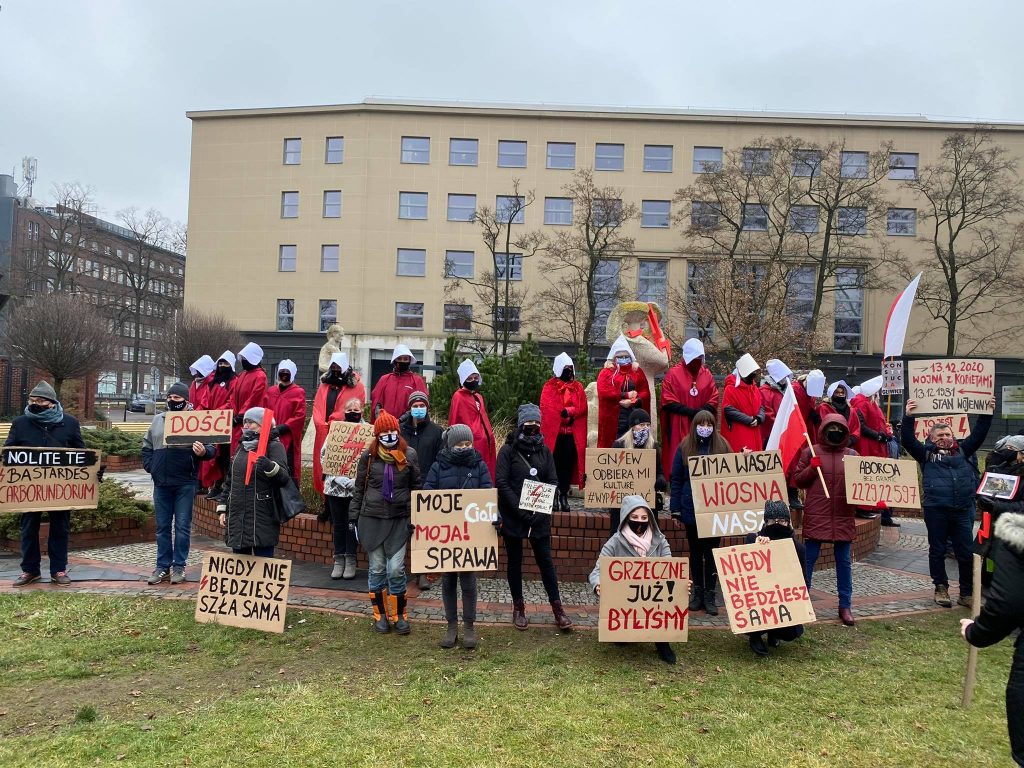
{"points": [[337, 386], [250, 388], [838, 402], [468, 407], [563, 422], [393, 389], [742, 408], [778, 378], [202, 374], [875, 431], [287, 400], [621, 389], [219, 396], [688, 388]]}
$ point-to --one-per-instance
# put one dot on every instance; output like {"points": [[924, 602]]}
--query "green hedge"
{"points": [[116, 501], [113, 442]]}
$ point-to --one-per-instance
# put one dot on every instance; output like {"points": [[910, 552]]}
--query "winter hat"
{"points": [[871, 387], [1010, 443], [836, 385], [456, 434], [775, 509], [400, 350], [692, 349], [417, 395], [621, 345], [288, 365], [639, 416], [527, 412], [202, 367], [561, 363], [777, 369], [252, 352], [228, 357], [747, 365], [339, 359], [179, 389], [466, 369], [44, 390], [385, 423], [256, 415], [815, 384]]}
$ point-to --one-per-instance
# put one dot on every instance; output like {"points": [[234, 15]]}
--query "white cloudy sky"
{"points": [[97, 89]]}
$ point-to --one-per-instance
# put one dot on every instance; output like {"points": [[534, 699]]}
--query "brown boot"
{"points": [[563, 621], [846, 616], [380, 614], [519, 620]]}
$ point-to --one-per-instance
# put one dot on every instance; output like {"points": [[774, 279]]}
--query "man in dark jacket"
{"points": [[424, 437], [45, 425], [175, 473], [949, 489]]}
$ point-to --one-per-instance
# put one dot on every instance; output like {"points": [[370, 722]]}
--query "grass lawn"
{"points": [[92, 681]]}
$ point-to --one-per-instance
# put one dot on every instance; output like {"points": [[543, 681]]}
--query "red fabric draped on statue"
{"points": [[322, 419], [218, 397], [248, 391], [289, 407], [392, 393], [557, 396], [611, 384], [746, 398], [470, 409], [678, 387]]}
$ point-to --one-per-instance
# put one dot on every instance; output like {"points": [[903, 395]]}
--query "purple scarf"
{"points": [[387, 488]]}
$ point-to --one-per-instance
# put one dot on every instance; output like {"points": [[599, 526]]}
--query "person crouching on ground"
{"points": [[638, 536], [387, 474]]}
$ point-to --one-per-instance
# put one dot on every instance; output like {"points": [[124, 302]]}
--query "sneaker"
{"points": [[942, 596], [25, 579], [965, 601], [177, 574], [60, 579], [159, 574]]}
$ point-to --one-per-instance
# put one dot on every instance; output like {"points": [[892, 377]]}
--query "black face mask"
{"points": [[353, 417], [839, 402], [284, 381], [37, 409], [401, 367], [783, 384], [835, 437], [749, 379], [176, 405], [250, 434], [776, 531], [1004, 457], [247, 366], [637, 527], [568, 374], [332, 377], [531, 430], [223, 374], [472, 386]]}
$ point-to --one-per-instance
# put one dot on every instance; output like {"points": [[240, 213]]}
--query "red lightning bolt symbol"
{"points": [[536, 491], [203, 582]]}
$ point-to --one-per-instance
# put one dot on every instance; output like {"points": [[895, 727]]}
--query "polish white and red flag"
{"points": [[789, 433], [898, 319]]}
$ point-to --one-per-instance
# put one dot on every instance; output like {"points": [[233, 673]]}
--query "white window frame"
{"points": [[411, 262], [405, 204], [504, 155], [647, 217], [653, 164], [336, 152], [332, 210], [399, 313], [326, 256], [556, 217], [456, 157], [462, 208], [559, 157], [292, 152], [413, 154], [609, 157], [458, 268]]}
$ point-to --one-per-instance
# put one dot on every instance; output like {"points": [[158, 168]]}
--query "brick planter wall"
{"points": [[576, 540], [127, 531], [122, 463]]}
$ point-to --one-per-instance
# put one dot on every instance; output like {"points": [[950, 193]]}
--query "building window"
{"points": [[510, 206], [697, 327], [289, 207], [655, 213], [853, 221], [803, 218], [513, 262], [461, 207], [610, 157], [707, 159], [335, 152], [561, 155], [458, 318], [463, 152], [703, 215], [286, 314], [558, 210], [292, 151], [408, 316], [755, 217], [330, 258], [287, 258], [328, 313], [511, 154], [658, 158], [458, 264], [854, 165], [412, 205], [416, 150], [332, 204], [756, 160], [412, 262], [849, 309], [607, 213], [806, 162], [800, 297], [512, 313], [652, 281], [901, 221], [902, 165], [606, 291]]}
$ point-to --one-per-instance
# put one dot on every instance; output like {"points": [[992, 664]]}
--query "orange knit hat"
{"points": [[385, 423]]}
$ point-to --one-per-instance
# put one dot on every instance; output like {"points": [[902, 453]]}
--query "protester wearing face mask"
{"points": [[776, 382], [948, 491], [829, 518], [249, 511], [838, 402], [458, 466], [703, 440], [175, 471], [426, 438], [621, 388], [287, 401], [393, 389], [688, 389], [250, 388], [563, 420], [469, 407], [638, 536], [525, 457], [639, 435], [202, 374], [388, 472], [742, 407], [1006, 459], [339, 385], [875, 434], [219, 397], [337, 498]]}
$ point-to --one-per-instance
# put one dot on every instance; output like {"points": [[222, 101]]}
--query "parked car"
{"points": [[139, 402]]}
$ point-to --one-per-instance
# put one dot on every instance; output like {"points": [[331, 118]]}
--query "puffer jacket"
{"points": [[170, 465], [515, 460], [367, 496], [948, 480], [452, 470], [252, 510], [426, 438], [1003, 610], [618, 546], [826, 519], [27, 432]]}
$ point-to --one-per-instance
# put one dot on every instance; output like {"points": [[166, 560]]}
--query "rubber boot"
{"points": [[697, 599], [470, 640], [710, 604], [380, 614], [563, 621], [519, 620], [339, 567], [350, 567], [451, 636], [399, 605]]}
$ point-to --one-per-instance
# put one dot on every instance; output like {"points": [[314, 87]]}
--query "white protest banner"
{"points": [[346, 441], [730, 489], [892, 377], [997, 486], [537, 497], [959, 422], [1013, 402], [186, 427], [763, 586], [454, 531], [614, 473], [243, 591], [873, 481], [644, 599], [48, 479], [952, 386]]}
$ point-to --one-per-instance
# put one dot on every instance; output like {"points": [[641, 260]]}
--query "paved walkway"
{"points": [[893, 580]]}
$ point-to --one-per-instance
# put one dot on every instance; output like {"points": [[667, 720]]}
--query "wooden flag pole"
{"points": [[888, 400], [972, 654], [820, 475]]}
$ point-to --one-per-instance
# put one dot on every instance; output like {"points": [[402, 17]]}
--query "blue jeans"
{"points": [[944, 524], [844, 568], [56, 542], [172, 506], [387, 571], [255, 551]]}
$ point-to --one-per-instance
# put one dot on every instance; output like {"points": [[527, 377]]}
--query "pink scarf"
{"points": [[642, 544]]}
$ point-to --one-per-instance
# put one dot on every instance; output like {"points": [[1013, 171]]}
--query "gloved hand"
{"points": [[659, 485], [883, 438], [266, 466], [815, 461], [237, 421], [99, 475], [411, 529], [346, 482], [283, 429]]}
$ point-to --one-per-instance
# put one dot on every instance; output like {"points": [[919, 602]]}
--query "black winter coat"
{"points": [[367, 496], [452, 471], [426, 438], [252, 510], [948, 480], [1003, 611], [515, 460], [26, 432], [170, 465]]}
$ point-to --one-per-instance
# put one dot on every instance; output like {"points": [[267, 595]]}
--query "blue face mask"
{"points": [[623, 360], [418, 412]]}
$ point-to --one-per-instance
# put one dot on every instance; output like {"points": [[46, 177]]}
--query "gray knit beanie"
{"points": [[456, 434], [527, 412], [255, 415], [44, 390], [179, 389], [417, 395], [774, 509]]}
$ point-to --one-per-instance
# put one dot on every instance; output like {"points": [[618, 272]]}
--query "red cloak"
{"points": [[392, 393], [556, 396], [218, 397], [873, 419], [746, 398], [677, 388], [289, 407], [611, 384], [470, 409], [321, 420], [250, 387]]}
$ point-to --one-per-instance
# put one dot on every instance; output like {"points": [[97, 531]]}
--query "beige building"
{"points": [[301, 216]]}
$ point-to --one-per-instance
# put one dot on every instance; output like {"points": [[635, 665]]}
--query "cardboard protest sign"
{"points": [[997, 486], [644, 599], [186, 427], [345, 442], [763, 586], [959, 422], [871, 481], [454, 531], [537, 497], [614, 473], [1013, 402], [47, 479], [730, 489], [243, 591], [892, 377], [952, 386]]}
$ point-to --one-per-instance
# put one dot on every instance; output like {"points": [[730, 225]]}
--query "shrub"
{"points": [[116, 501], [113, 442], [314, 501]]}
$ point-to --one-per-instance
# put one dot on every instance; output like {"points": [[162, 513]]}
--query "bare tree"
{"points": [[199, 332], [53, 269], [61, 335]]}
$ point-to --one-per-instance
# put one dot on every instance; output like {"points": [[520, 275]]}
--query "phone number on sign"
{"points": [[894, 495]]}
